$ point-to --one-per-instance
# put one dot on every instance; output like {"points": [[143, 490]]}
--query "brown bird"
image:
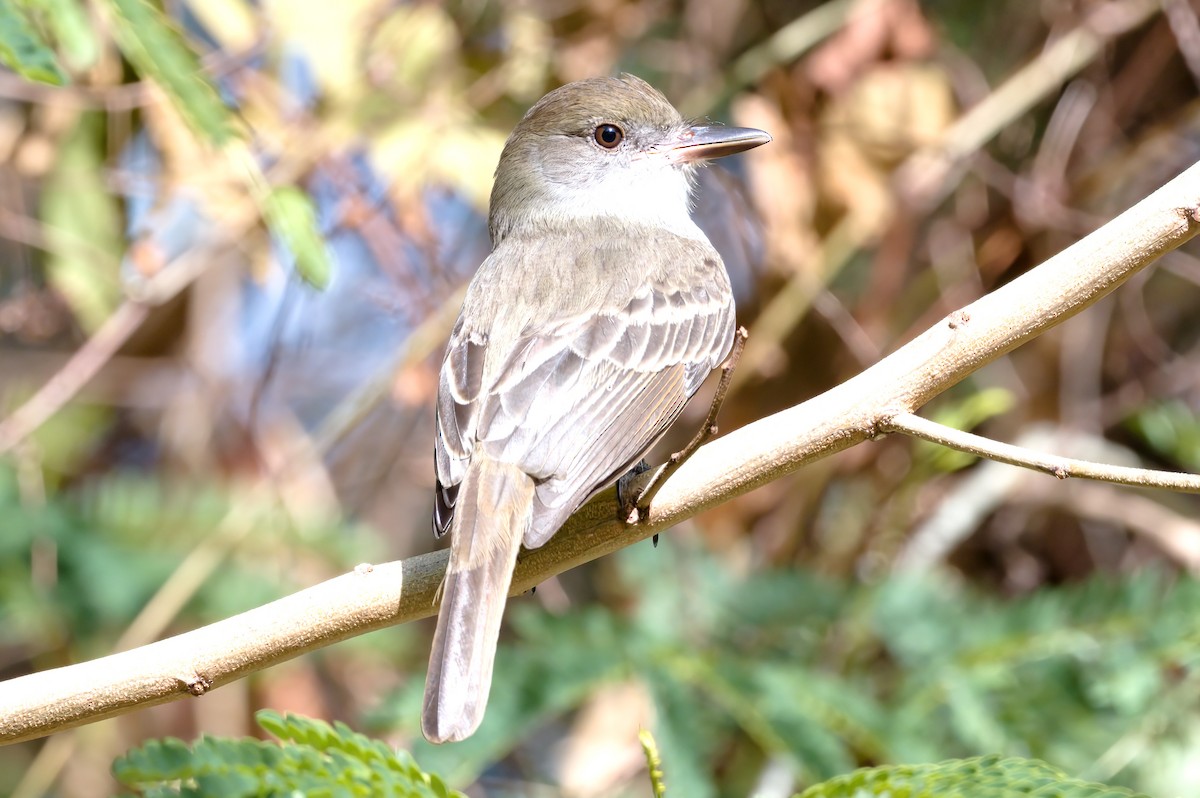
{"points": [[598, 314]]}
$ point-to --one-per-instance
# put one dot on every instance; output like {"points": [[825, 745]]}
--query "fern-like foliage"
{"points": [[311, 758], [981, 777], [830, 676]]}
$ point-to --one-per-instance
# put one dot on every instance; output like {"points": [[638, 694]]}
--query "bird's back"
{"points": [[589, 358]]}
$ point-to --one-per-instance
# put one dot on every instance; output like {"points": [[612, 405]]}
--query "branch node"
{"points": [[1061, 472], [196, 684], [364, 568], [881, 425], [959, 318]]}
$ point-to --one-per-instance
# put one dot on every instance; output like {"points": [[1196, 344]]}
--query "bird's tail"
{"points": [[492, 511]]}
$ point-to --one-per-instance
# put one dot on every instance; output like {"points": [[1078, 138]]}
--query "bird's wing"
{"points": [[579, 400]]}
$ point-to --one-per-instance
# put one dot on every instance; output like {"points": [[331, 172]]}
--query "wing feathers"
{"points": [[575, 401]]}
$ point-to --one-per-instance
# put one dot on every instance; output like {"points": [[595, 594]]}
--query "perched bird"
{"points": [[598, 314]]}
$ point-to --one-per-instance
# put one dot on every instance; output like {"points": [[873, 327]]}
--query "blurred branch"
{"points": [[166, 280], [923, 178], [780, 315], [1054, 465], [783, 47], [83, 365], [423, 341], [125, 381], [77, 371], [1174, 533], [926, 175], [991, 486], [1182, 19], [124, 97], [373, 597]]}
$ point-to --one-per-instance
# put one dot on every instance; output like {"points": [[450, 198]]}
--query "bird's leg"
{"points": [[636, 507], [627, 497]]}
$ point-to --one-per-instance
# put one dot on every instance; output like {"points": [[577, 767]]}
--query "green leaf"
{"points": [[291, 216], [158, 51], [973, 718], [24, 50], [683, 731], [84, 225], [970, 412], [313, 758], [157, 759], [981, 777], [1173, 430], [67, 21]]}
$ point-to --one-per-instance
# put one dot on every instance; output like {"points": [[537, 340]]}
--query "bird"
{"points": [[598, 314]]}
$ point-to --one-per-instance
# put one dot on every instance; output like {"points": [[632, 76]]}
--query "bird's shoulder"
{"points": [[540, 278]]}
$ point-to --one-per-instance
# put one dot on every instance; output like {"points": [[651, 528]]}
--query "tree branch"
{"points": [[1054, 465], [373, 597]]}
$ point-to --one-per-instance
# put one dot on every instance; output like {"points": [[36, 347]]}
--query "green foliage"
{"points": [[312, 758], [158, 51], [291, 215], [1173, 430], [85, 220], [965, 413], [116, 543], [831, 676], [73, 32], [982, 777], [653, 763], [23, 49]]}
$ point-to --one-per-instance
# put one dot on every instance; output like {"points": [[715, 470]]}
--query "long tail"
{"points": [[494, 505]]}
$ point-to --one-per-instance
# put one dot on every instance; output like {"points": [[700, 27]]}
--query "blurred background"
{"points": [[195, 419]]}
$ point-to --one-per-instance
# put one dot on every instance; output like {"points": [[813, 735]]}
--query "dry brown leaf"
{"points": [[891, 111]]}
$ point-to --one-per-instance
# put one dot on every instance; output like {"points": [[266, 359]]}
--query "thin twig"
{"points": [[1054, 465]]}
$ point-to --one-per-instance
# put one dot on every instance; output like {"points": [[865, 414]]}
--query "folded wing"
{"points": [[580, 399]]}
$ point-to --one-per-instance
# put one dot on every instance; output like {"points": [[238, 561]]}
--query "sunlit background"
{"points": [[247, 434]]}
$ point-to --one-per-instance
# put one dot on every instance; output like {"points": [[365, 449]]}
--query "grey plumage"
{"points": [[571, 357]]}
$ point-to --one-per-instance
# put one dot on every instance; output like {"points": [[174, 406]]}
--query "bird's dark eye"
{"points": [[608, 136]]}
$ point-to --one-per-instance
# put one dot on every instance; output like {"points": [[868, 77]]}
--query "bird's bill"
{"points": [[705, 142]]}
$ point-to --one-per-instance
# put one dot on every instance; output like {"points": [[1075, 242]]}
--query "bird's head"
{"points": [[605, 150]]}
